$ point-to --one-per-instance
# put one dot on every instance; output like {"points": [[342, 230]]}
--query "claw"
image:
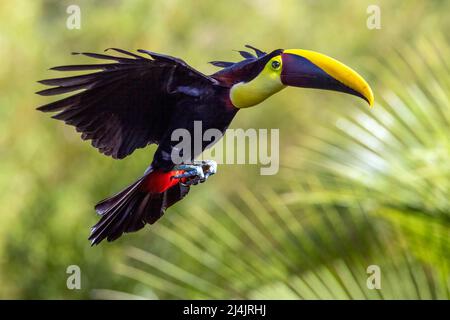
{"points": [[197, 172], [209, 167], [190, 171]]}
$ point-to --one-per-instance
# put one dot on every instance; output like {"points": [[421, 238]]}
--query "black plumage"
{"points": [[125, 106], [139, 100]]}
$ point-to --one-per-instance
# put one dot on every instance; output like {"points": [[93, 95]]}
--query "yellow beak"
{"points": [[309, 69]]}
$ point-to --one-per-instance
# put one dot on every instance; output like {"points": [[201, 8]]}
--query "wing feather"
{"points": [[127, 104]]}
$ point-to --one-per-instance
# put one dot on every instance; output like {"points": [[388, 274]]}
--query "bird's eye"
{"points": [[276, 64]]}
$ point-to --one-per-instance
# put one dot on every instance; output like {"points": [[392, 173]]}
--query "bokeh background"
{"points": [[356, 186]]}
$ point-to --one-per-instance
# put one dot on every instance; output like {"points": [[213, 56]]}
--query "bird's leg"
{"points": [[195, 172]]}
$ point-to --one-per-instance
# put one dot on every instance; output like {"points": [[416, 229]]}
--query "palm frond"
{"points": [[372, 188]]}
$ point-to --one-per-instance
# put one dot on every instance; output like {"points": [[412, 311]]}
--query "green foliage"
{"points": [[370, 188], [357, 187]]}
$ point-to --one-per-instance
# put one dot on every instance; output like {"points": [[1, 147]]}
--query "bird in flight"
{"points": [[133, 100]]}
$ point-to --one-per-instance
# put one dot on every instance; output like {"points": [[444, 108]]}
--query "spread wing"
{"points": [[127, 104]]}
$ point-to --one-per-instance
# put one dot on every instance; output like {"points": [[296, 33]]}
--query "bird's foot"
{"points": [[196, 172]]}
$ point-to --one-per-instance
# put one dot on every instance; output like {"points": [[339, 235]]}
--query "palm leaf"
{"points": [[370, 188]]}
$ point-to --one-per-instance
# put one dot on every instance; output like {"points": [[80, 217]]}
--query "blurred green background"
{"points": [[356, 187]]}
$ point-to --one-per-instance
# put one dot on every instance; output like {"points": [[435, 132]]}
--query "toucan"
{"points": [[131, 100]]}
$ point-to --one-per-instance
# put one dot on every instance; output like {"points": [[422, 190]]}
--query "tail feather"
{"points": [[105, 204], [133, 207]]}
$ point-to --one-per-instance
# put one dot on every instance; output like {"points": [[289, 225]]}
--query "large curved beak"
{"points": [[309, 69]]}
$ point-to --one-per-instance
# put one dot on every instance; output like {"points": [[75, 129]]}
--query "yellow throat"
{"points": [[248, 94]]}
